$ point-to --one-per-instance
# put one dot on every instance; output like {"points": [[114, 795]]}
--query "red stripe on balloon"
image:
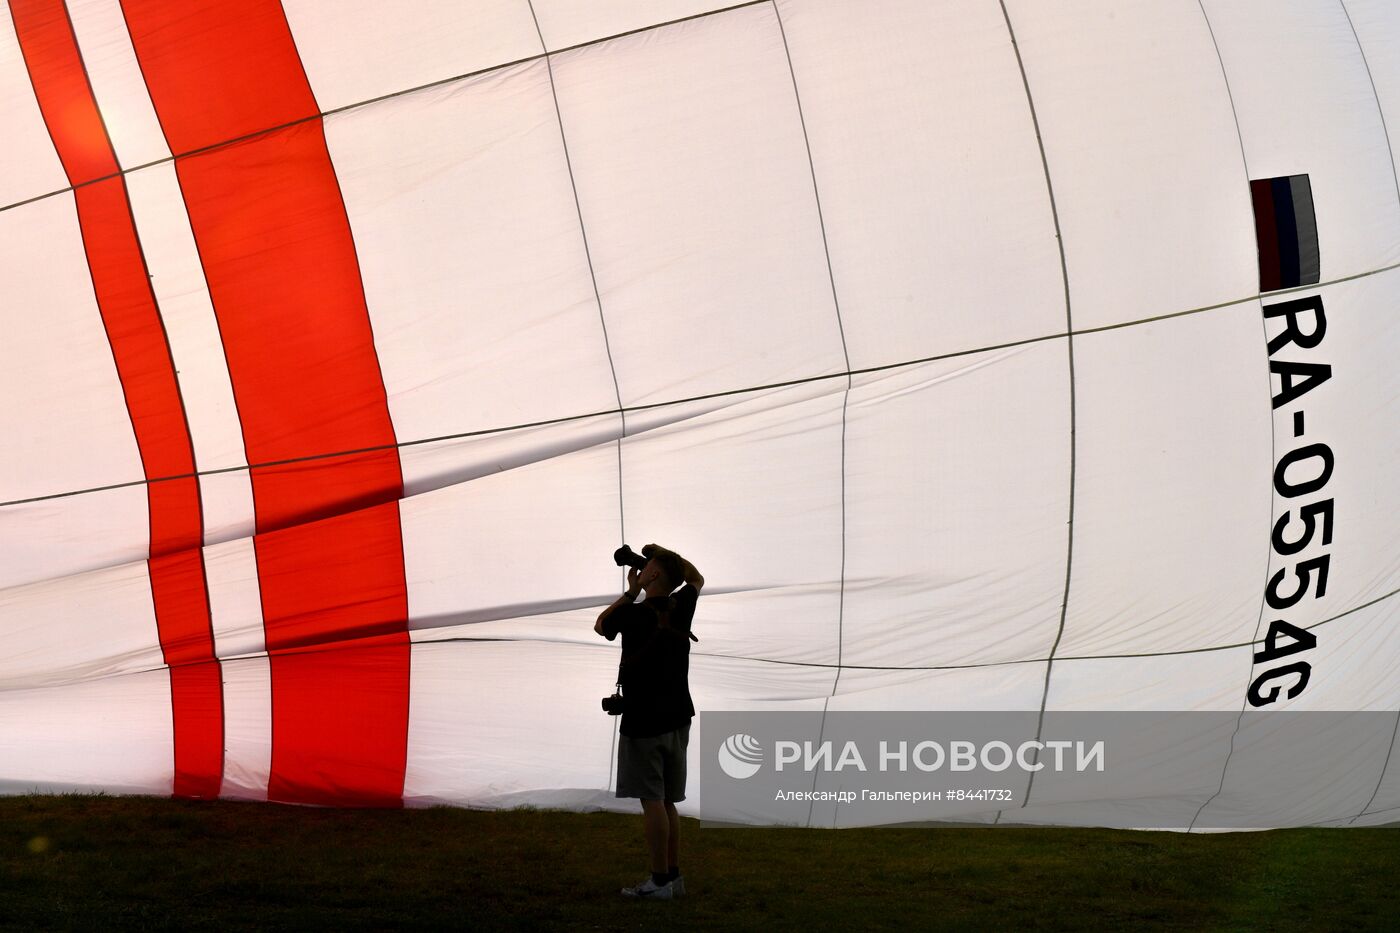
{"points": [[141, 352], [279, 258]]}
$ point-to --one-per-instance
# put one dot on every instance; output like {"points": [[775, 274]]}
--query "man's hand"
{"points": [[634, 586]]}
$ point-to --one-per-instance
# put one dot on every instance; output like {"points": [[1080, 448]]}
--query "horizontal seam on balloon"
{"points": [[1093, 657], [441, 82], [876, 667], [805, 380], [730, 657]]}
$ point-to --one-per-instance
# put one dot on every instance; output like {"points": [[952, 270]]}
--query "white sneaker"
{"points": [[678, 886], [649, 889]]}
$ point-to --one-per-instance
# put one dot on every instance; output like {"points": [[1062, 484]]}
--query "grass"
{"points": [[126, 863]]}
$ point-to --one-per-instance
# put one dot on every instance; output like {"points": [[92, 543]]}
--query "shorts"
{"points": [[653, 767]]}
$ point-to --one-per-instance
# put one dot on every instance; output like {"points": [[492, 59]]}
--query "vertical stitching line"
{"points": [[840, 326], [1273, 440], [1384, 768], [1374, 93], [1069, 343], [845, 397], [1396, 176], [607, 346]]}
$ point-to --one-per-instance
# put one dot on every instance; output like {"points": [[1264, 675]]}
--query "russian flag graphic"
{"points": [[1287, 230]]}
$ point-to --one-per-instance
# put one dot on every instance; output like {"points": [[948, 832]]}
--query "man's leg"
{"points": [[673, 836], [657, 827]]}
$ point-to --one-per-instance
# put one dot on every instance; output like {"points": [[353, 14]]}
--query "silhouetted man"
{"points": [[657, 708]]}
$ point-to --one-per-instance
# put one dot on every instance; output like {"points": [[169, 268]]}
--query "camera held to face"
{"points": [[626, 557]]}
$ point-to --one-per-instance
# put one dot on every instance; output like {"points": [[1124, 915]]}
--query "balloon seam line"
{"points": [[317, 647], [1385, 766], [1375, 93], [1390, 151], [602, 318], [845, 396], [1273, 441], [1069, 331], [889, 667]]}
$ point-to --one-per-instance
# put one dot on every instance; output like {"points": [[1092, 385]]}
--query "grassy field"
{"points": [[116, 863]]}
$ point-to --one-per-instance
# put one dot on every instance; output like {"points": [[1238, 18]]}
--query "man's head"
{"points": [[663, 572]]}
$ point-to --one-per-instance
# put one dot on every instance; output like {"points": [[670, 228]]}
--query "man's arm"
{"points": [[626, 599], [691, 575]]}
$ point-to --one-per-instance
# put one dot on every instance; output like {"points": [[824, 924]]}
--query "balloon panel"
{"points": [[687, 173], [1148, 400], [486, 149], [956, 555], [1143, 154], [942, 246]]}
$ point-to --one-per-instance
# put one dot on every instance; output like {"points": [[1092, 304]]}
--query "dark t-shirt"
{"points": [[655, 664]]}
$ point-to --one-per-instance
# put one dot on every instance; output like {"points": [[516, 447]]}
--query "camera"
{"points": [[615, 705], [626, 557]]}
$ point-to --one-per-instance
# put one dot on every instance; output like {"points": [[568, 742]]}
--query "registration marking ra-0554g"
{"points": [[1300, 477]]}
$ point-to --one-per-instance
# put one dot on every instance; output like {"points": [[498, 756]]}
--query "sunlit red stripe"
{"points": [[142, 355], [280, 261]]}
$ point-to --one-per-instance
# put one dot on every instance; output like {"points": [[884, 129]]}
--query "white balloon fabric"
{"points": [[976, 352]]}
